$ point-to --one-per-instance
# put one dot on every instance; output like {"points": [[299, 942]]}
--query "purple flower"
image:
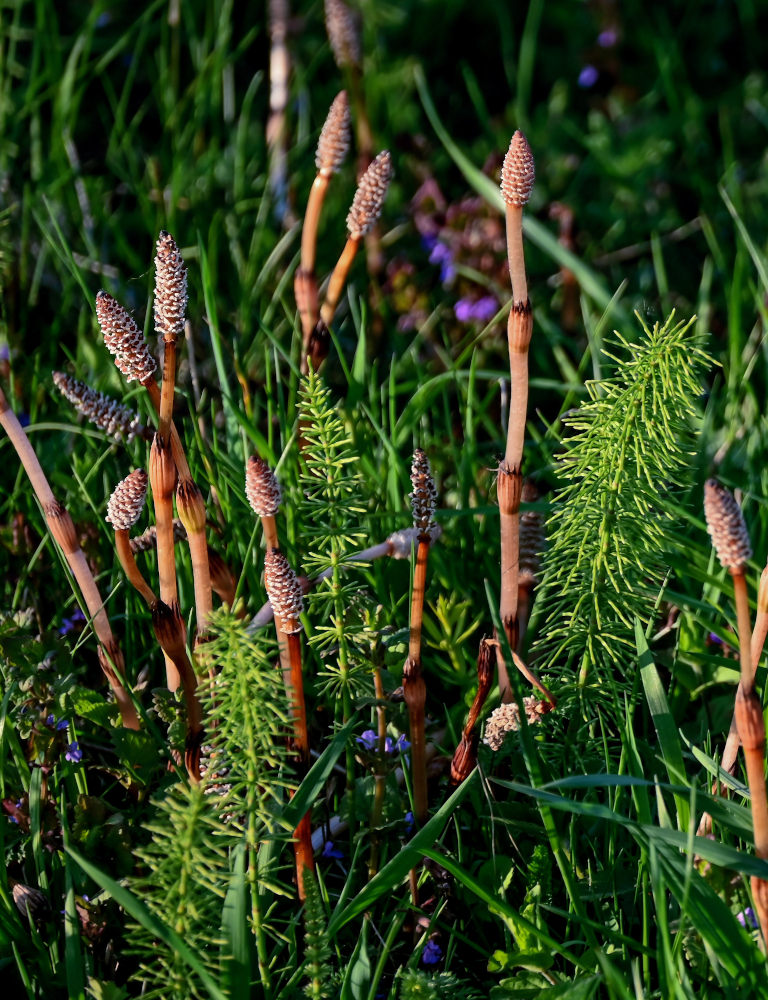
{"points": [[331, 851], [463, 310], [5, 353], [50, 719], [70, 624], [442, 255], [588, 77], [74, 753], [409, 824], [608, 38], [368, 739], [402, 744], [485, 308], [432, 953], [24, 419], [747, 917], [478, 310], [62, 724]]}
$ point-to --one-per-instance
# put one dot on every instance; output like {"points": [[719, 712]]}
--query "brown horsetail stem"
{"points": [[170, 311], [465, 758], [62, 528], [332, 148], [132, 356], [363, 214], [171, 634], [123, 511], [516, 183], [115, 419], [725, 524], [284, 592], [423, 503], [162, 477], [759, 632]]}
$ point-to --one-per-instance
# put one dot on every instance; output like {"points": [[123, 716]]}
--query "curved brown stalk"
{"points": [[465, 757], [63, 531]]}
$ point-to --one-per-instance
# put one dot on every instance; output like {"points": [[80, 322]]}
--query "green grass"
{"points": [[568, 864]]}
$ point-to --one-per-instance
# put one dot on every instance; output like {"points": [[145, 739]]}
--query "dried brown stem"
{"points": [[465, 757], [63, 531]]}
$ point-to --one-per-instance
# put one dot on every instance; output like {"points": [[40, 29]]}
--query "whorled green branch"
{"points": [[612, 514]]}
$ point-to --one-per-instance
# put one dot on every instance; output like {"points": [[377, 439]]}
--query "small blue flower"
{"points": [[331, 851], [74, 753], [747, 917], [443, 255], [588, 77], [368, 739], [402, 743], [70, 624], [432, 953], [62, 724], [608, 38], [50, 719], [409, 823], [389, 745], [24, 419]]}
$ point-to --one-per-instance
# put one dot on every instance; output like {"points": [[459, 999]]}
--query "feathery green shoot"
{"points": [[608, 534]]}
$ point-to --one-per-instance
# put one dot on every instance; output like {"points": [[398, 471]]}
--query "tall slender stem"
{"points": [[63, 531], [285, 594], [516, 184]]}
